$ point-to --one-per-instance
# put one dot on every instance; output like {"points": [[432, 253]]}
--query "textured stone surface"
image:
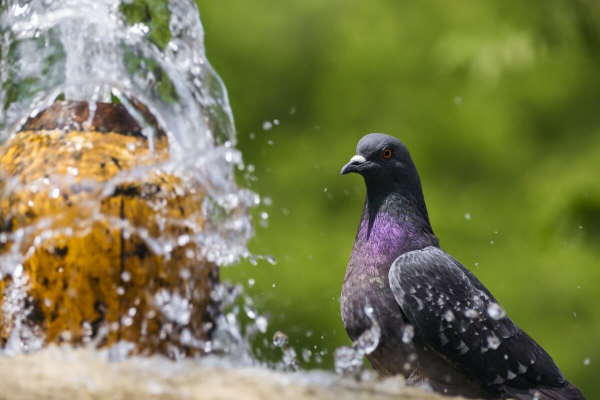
{"points": [[85, 374], [87, 230]]}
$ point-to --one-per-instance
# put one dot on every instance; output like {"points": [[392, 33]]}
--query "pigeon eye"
{"points": [[387, 153]]}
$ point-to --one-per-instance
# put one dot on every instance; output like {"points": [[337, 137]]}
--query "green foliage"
{"points": [[24, 89], [163, 86], [155, 14], [20, 88], [498, 103]]}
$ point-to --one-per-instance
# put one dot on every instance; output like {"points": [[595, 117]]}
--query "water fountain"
{"points": [[118, 201]]}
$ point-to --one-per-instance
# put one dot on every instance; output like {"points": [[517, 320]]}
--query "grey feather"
{"points": [[495, 351]]}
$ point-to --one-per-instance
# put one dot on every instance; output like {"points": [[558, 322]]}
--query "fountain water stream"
{"points": [[148, 58]]}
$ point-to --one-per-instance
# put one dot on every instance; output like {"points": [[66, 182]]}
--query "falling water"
{"points": [[150, 58]]}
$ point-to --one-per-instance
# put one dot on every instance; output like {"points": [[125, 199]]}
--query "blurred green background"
{"points": [[499, 104]]}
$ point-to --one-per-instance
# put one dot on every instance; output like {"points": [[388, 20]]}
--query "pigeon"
{"points": [[440, 327]]}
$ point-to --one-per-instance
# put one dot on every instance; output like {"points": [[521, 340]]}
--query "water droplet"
{"points": [[458, 100], [408, 333], [271, 260], [468, 216], [264, 215], [318, 358], [250, 311], [251, 282], [261, 324], [126, 276], [471, 314], [185, 274], [587, 361], [306, 353], [449, 316], [492, 242], [55, 193], [493, 342], [267, 125], [495, 311], [183, 240], [280, 339]]}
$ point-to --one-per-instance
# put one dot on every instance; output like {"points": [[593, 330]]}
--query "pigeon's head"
{"points": [[383, 160]]}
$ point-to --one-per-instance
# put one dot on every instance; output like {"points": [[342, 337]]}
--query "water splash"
{"points": [[149, 58], [290, 359], [348, 361], [97, 51]]}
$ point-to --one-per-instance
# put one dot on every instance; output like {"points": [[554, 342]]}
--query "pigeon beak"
{"points": [[353, 165]]}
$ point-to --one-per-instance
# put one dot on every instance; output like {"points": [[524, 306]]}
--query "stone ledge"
{"points": [[86, 374]]}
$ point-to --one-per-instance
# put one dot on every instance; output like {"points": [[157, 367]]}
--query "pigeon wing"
{"points": [[460, 319]]}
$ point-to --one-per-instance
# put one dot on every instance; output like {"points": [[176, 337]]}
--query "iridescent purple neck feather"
{"points": [[392, 224]]}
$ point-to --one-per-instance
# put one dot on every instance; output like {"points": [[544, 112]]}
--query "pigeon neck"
{"points": [[392, 224], [405, 205]]}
